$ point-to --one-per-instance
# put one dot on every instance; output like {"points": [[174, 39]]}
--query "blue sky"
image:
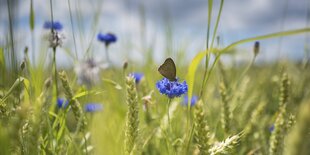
{"points": [[188, 19]]}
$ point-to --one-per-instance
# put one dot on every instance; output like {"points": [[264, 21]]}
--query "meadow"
{"points": [[203, 106]]}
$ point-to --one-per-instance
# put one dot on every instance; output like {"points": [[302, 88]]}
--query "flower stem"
{"points": [[206, 78], [107, 53], [169, 123], [170, 128], [55, 71]]}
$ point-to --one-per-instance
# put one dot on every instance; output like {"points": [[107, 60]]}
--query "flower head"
{"points": [[107, 38], [62, 103], [53, 25], [193, 100], [256, 48], [88, 71], [56, 39], [93, 107], [171, 88], [271, 128], [137, 76]]}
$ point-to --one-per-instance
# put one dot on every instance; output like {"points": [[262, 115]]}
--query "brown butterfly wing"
{"points": [[168, 69]]}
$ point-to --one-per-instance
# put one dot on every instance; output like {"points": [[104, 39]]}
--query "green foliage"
{"points": [[39, 127]]}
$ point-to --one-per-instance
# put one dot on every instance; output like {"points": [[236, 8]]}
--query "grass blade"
{"points": [[31, 18], [17, 83], [268, 36], [210, 4], [217, 23], [198, 58]]}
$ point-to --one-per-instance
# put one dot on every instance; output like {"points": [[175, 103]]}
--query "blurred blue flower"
{"points": [[193, 100], [62, 103], [93, 107], [107, 38], [171, 88], [53, 25], [271, 128], [138, 76]]}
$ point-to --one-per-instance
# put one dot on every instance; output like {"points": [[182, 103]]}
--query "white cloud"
{"points": [[240, 19]]}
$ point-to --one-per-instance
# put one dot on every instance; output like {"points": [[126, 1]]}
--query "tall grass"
{"points": [[240, 109]]}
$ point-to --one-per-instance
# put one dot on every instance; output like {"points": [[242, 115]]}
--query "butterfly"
{"points": [[168, 70]]}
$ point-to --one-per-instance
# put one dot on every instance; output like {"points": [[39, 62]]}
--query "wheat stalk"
{"points": [[132, 122], [201, 131]]}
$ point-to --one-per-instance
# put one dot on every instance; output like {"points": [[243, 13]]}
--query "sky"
{"points": [[179, 25]]}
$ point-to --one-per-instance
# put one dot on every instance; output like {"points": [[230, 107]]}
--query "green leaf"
{"points": [[191, 73], [53, 114], [17, 83], [2, 61], [268, 36], [27, 89], [31, 18], [113, 83], [84, 93], [210, 4], [217, 22]]}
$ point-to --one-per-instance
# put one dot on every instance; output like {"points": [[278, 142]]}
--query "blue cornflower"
{"points": [[171, 88], [53, 25], [62, 103], [93, 107], [271, 128], [193, 100], [138, 76], [107, 38]]}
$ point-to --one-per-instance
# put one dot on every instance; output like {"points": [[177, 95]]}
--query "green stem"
{"points": [[169, 123], [52, 16], [204, 77], [188, 128], [55, 71], [244, 72], [206, 73], [33, 48], [188, 118], [72, 28], [205, 80], [12, 44], [217, 23], [107, 53], [191, 132], [210, 4], [247, 68], [170, 128], [85, 144]]}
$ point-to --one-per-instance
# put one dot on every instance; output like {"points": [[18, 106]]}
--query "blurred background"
{"points": [[175, 28]]}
